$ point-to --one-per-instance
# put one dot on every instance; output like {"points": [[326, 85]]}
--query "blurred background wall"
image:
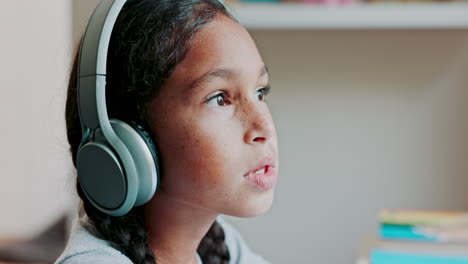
{"points": [[366, 120], [35, 51]]}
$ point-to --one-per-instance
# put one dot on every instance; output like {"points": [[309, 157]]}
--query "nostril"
{"points": [[259, 139]]}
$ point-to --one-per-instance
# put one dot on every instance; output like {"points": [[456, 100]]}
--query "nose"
{"points": [[259, 126]]}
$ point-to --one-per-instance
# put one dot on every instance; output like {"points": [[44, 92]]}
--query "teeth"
{"points": [[260, 171]]}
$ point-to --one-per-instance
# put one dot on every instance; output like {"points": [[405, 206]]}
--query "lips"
{"points": [[262, 164], [263, 175]]}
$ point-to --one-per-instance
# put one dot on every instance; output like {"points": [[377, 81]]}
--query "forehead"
{"points": [[222, 43]]}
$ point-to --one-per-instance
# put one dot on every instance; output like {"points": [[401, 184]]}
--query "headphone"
{"points": [[117, 161]]}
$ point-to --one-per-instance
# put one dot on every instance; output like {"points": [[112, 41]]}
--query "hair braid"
{"points": [[212, 248], [125, 233]]}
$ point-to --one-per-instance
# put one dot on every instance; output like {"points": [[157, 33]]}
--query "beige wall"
{"points": [[34, 52], [366, 119]]}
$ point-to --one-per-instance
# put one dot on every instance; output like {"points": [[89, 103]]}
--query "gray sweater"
{"points": [[85, 248]]}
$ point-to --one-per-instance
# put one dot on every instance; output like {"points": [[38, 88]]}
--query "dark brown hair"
{"points": [[149, 39]]}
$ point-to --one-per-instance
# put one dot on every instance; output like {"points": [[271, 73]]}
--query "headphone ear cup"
{"points": [[101, 175], [145, 157]]}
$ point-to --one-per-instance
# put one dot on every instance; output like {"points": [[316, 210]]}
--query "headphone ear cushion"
{"points": [[148, 140], [145, 157]]}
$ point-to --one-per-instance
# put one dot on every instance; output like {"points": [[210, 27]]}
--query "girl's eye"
{"points": [[263, 92], [219, 99]]}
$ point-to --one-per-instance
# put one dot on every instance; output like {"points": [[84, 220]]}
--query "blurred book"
{"points": [[378, 251], [419, 225], [418, 237]]}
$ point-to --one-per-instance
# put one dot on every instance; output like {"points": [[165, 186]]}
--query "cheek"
{"points": [[210, 157], [199, 157]]}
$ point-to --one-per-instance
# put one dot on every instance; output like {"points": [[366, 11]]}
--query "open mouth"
{"points": [[264, 178], [262, 167], [262, 170]]}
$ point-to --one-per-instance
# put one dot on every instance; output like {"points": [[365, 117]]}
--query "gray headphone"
{"points": [[117, 162]]}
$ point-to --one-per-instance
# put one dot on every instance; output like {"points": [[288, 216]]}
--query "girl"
{"points": [[191, 75]]}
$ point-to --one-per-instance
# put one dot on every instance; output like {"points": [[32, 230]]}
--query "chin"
{"points": [[255, 205]]}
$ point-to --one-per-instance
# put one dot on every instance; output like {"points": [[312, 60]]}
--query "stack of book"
{"points": [[419, 237]]}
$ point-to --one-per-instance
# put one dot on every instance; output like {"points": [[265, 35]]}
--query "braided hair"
{"points": [[149, 39]]}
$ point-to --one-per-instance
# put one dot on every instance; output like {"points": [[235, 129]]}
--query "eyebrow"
{"points": [[223, 73]]}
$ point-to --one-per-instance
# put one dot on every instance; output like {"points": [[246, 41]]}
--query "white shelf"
{"points": [[452, 15]]}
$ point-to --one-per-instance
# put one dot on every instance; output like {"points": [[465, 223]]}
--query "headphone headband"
{"points": [[93, 64]]}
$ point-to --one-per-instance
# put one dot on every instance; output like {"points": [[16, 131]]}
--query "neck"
{"points": [[175, 228]]}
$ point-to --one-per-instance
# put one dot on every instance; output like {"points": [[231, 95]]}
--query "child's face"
{"points": [[207, 146]]}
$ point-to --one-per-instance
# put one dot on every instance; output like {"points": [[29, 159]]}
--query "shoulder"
{"points": [[84, 248], [239, 251]]}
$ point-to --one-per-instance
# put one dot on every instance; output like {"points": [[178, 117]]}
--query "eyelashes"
{"points": [[265, 91], [221, 98]]}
